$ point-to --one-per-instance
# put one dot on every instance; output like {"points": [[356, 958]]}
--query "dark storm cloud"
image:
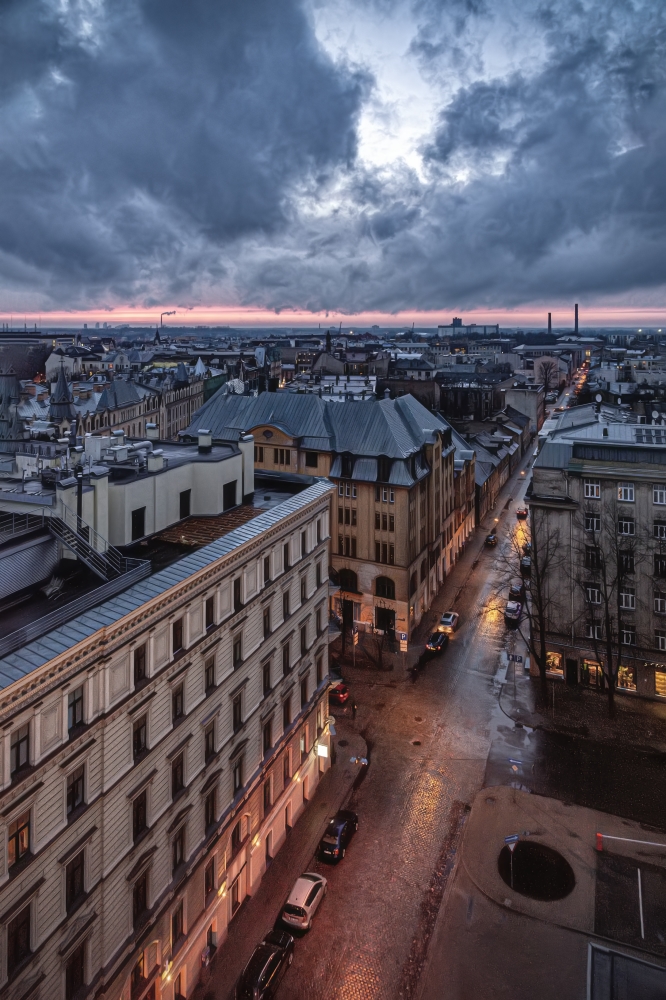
{"points": [[140, 136]]}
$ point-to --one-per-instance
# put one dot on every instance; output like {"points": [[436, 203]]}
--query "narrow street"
{"points": [[428, 744]]}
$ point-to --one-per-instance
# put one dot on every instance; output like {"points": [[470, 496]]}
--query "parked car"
{"points": [[263, 973], [437, 642], [560, 409], [491, 540], [527, 549], [526, 565], [516, 591], [512, 613], [449, 622], [338, 694], [521, 513], [303, 901], [339, 832]]}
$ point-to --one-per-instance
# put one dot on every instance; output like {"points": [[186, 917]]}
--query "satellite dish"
{"points": [[655, 414], [619, 400], [598, 397]]}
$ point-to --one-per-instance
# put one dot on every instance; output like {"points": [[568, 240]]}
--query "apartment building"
{"points": [[392, 462], [598, 507], [155, 751]]}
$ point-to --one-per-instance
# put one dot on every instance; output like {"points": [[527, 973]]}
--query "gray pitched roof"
{"points": [[396, 428], [118, 393]]}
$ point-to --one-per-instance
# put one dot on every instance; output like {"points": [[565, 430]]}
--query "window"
{"points": [[413, 584], [236, 838], [353, 548], [626, 526], [18, 836], [625, 492], [593, 630], [304, 590], [659, 494], [209, 674], [318, 621], [341, 546], [238, 604], [628, 598], [659, 529], [626, 562], [301, 743], [237, 712], [209, 879], [185, 498], [660, 676], [210, 611], [286, 661], [19, 753], [385, 587], [258, 453], [177, 775], [238, 774], [391, 522], [139, 665], [177, 635], [304, 544], [627, 635], [318, 574], [592, 558], [74, 882], [140, 898], [209, 741], [320, 670], [75, 972], [660, 565], [318, 531], [177, 707], [285, 604], [659, 602], [177, 850], [139, 815], [229, 495], [18, 940], [592, 594], [378, 522], [177, 924], [626, 678], [311, 459], [554, 663], [304, 692], [286, 713], [304, 639], [238, 650], [592, 522], [210, 809], [75, 790], [267, 570], [285, 556], [267, 622], [138, 523], [75, 709], [266, 677], [592, 488], [660, 640], [268, 796], [139, 736], [267, 736]]}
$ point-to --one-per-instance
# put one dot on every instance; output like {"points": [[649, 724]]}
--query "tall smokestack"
{"points": [[550, 323], [576, 318]]}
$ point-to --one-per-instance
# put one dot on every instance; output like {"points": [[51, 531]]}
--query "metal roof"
{"points": [[35, 654]]}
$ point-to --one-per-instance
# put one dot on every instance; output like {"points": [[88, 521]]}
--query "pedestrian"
{"points": [[353, 708]]}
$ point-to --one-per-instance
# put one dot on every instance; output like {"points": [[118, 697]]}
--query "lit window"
{"points": [[625, 492]]}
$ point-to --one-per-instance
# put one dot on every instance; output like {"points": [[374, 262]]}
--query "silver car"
{"points": [[303, 901]]}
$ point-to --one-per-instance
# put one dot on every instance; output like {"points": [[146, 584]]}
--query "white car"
{"points": [[303, 901], [449, 622]]}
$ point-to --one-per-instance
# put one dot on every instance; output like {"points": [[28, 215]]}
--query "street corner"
{"points": [[533, 855], [349, 747]]}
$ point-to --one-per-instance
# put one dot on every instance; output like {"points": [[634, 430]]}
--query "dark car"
{"points": [[526, 565], [491, 540], [339, 832], [521, 513], [527, 549], [338, 694], [512, 613], [269, 962], [437, 642]]}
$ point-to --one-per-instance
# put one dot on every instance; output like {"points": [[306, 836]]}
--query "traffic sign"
{"points": [[402, 636], [515, 658], [403, 647], [512, 839]]}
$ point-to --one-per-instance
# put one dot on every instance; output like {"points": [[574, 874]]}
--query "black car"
{"points": [[339, 832], [269, 962], [517, 592], [437, 642], [491, 540]]}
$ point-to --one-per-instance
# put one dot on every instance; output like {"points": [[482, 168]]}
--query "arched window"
{"points": [[413, 584], [348, 581], [385, 587]]}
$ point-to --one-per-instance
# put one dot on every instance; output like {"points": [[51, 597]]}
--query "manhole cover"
{"points": [[418, 718], [343, 743], [416, 743], [536, 871]]}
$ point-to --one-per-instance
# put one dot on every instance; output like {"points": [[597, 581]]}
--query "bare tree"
{"points": [[605, 573], [549, 375]]}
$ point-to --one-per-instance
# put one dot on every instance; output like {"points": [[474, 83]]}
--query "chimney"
{"points": [[387, 393], [152, 432], [576, 318], [205, 439], [550, 323]]}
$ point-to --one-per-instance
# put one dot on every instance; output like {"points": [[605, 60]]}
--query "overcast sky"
{"points": [[374, 156]]}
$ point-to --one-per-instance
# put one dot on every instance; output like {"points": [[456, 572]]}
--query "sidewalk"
{"points": [[258, 913]]}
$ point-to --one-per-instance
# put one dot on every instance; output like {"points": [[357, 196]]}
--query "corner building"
{"points": [[154, 752]]}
